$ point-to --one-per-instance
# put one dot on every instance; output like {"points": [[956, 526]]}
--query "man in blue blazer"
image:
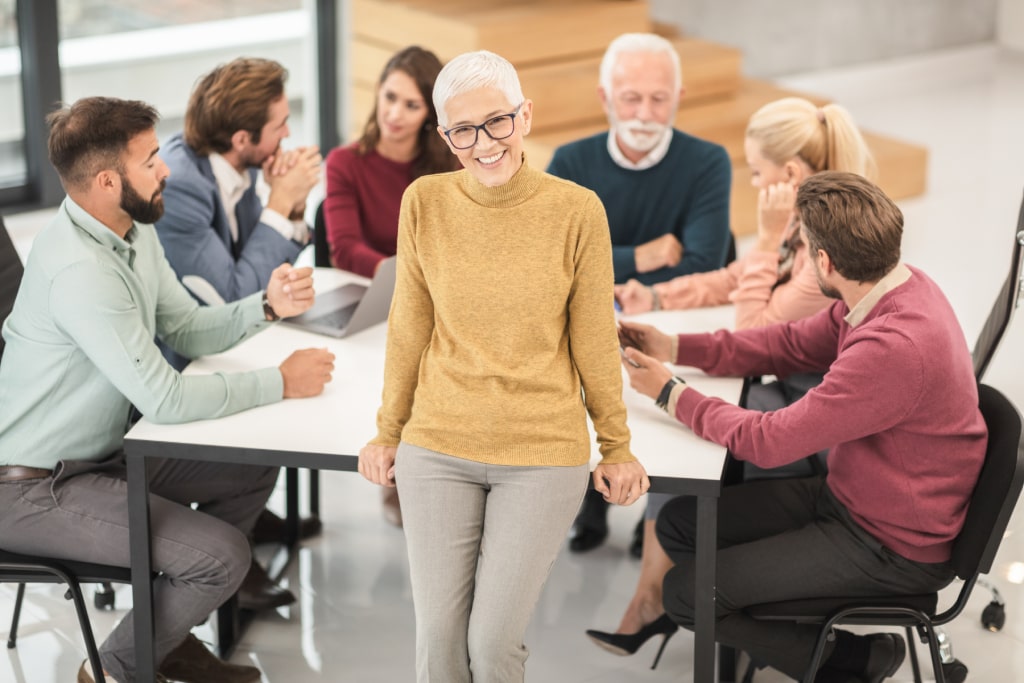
{"points": [[217, 232], [221, 238]]}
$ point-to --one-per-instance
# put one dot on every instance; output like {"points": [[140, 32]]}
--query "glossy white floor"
{"points": [[354, 619]]}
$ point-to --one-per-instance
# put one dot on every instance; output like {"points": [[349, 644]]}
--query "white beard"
{"points": [[650, 135]]}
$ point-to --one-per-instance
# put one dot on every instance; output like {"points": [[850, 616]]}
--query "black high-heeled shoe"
{"points": [[628, 643]]}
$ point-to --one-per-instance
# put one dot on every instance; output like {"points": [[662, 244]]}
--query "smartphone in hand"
{"points": [[627, 339], [622, 352]]}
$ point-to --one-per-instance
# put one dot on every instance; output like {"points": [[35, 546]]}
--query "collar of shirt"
{"points": [[232, 185], [103, 235], [893, 279], [650, 159]]}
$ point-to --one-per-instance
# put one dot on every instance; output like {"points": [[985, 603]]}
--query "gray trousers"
{"points": [[782, 539], [81, 513], [481, 540]]}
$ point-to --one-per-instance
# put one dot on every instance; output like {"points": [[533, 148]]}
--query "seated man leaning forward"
{"points": [[217, 228], [897, 409], [80, 354]]}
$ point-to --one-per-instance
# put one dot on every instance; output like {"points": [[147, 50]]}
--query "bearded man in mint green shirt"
{"points": [[80, 353]]}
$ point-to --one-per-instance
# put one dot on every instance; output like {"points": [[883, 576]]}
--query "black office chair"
{"points": [[995, 495], [22, 569], [1005, 304]]}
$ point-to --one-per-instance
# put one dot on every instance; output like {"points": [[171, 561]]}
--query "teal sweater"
{"points": [[687, 194]]}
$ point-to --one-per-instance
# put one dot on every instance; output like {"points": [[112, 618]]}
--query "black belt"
{"points": [[19, 473]]}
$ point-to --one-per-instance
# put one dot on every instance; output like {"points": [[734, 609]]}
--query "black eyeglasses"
{"points": [[497, 128]]}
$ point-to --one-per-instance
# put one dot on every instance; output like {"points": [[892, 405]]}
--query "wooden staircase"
{"points": [[557, 45]]}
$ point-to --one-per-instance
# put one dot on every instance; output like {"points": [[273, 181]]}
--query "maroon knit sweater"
{"points": [[898, 409], [364, 193]]}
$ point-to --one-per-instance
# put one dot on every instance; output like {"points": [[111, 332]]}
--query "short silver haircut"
{"points": [[473, 70], [632, 43]]}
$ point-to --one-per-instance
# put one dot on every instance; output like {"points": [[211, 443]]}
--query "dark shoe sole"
{"points": [[899, 654]]}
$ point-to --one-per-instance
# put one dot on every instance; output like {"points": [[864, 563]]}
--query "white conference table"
{"points": [[327, 431]]}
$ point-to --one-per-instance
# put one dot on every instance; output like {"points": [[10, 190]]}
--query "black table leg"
{"points": [[142, 570], [291, 502], [314, 493], [704, 579]]}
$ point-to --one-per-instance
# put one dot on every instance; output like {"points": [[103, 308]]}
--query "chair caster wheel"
{"points": [[955, 671], [103, 598], [993, 617]]}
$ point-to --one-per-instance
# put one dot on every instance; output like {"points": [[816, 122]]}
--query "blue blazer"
{"points": [[196, 236]]}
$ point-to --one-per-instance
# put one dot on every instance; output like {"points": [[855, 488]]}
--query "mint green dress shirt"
{"points": [[81, 351]]}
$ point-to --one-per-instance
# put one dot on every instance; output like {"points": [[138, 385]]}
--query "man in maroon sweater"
{"points": [[898, 409]]}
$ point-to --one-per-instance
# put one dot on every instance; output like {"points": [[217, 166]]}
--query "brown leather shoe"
{"points": [[192, 662], [85, 675], [258, 592], [391, 507], [269, 528]]}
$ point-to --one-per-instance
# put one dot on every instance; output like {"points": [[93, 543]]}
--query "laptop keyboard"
{"points": [[336, 319]]}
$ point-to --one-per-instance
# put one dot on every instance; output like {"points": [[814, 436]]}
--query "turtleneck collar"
{"points": [[520, 187]]}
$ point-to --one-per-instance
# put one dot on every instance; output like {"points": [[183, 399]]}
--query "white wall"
{"points": [[797, 36], [1010, 24]]}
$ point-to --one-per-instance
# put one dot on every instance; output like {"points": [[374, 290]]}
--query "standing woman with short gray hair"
{"points": [[501, 341]]}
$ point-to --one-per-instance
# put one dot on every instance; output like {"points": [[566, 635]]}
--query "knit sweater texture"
{"points": [[898, 409], [501, 336], [685, 194]]}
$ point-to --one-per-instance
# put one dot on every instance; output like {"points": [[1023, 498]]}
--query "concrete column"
{"points": [[1010, 24]]}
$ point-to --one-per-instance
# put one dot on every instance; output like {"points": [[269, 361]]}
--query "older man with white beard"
{"points": [[666, 193]]}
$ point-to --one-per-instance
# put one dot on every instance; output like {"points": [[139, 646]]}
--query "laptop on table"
{"points": [[351, 308]]}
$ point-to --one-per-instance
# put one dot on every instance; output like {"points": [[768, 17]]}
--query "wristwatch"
{"points": [[655, 299], [268, 310], [666, 392]]}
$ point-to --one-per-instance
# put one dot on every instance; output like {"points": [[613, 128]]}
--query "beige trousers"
{"points": [[482, 540]]}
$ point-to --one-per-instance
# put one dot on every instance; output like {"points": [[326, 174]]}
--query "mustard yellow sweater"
{"points": [[501, 336]]}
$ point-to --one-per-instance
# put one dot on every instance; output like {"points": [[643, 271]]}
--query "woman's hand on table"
{"points": [[621, 483], [377, 463], [634, 297]]}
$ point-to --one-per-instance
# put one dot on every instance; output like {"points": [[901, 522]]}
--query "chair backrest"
{"points": [[1002, 310], [321, 250], [999, 486], [11, 271]]}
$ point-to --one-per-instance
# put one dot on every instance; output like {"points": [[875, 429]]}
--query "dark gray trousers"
{"points": [[782, 539], [81, 513]]}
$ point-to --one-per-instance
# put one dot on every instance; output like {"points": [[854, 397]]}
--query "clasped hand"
{"points": [[377, 463], [621, 483]]}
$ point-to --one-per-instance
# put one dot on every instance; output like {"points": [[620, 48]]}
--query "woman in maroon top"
{"points": [[366, 179]]}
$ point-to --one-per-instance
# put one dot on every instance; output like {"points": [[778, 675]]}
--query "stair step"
{"points": [[522, 31], [565, 92]]}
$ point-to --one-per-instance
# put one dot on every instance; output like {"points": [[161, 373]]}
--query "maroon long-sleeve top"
{"points": [[364, 193], [898, 408]]}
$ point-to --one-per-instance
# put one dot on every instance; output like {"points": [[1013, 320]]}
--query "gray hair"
{"points": [[631, 43], [472, 70]]}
